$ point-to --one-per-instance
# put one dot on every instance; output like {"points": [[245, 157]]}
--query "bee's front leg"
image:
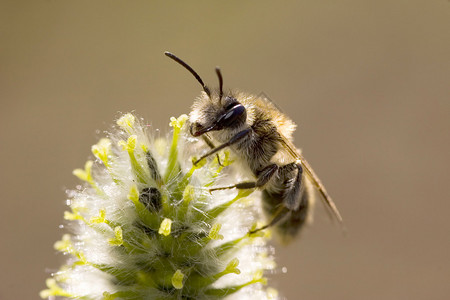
{"points": [[232, 141], [210, 144]]}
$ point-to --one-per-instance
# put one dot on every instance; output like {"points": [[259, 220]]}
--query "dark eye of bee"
{"points": [[234, 115], [230, 105], [230, 102]]}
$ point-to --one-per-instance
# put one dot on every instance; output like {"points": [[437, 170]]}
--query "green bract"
{"points": [[145, 226]]}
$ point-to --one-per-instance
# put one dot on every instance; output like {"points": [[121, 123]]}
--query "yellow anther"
{"points": [[214, 233], [178, 123], [126, 122], [232, 266], [85, 174], [64, 244], [188, 194], [177, 279], [133, 195], [100, 218], [102, 150], [118, 237], [166, 227]]}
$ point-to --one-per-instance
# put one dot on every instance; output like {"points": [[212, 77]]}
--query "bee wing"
{"points": [[263, 96], [311, 175]]}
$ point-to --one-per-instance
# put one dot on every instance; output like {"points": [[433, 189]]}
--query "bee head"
{"points": [[210, 114], [213, 111]]}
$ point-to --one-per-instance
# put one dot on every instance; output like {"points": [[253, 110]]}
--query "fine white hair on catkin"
{"points": [[144, 224]]}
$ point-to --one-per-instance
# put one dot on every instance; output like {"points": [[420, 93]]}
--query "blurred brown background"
{"points": [[367, 82]]}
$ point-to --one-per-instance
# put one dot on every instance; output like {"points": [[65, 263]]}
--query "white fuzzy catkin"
{"points": [[145, 226]]}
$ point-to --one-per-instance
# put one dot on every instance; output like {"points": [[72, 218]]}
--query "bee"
{"points": [[261, 138]]}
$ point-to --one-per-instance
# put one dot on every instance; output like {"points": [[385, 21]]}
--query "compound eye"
{"points": [[237, 111], [231, 102]]}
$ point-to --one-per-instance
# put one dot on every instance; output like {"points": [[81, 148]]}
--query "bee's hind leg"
{"points": [[263, 177], [289, 205], [282, 213]]}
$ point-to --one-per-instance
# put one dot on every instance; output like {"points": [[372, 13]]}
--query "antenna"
{"points": [[219, 74], [185, 65]]}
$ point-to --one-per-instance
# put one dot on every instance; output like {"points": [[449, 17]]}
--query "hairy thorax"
{"points": [[258, 148]]}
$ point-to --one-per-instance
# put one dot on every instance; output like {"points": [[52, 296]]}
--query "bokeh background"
{"points": [[367, 82]]}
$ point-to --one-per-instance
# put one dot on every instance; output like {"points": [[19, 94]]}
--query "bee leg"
{"points": [[263, 177], [234, 139], [291, 200], [210, 144], [280, 214]]}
